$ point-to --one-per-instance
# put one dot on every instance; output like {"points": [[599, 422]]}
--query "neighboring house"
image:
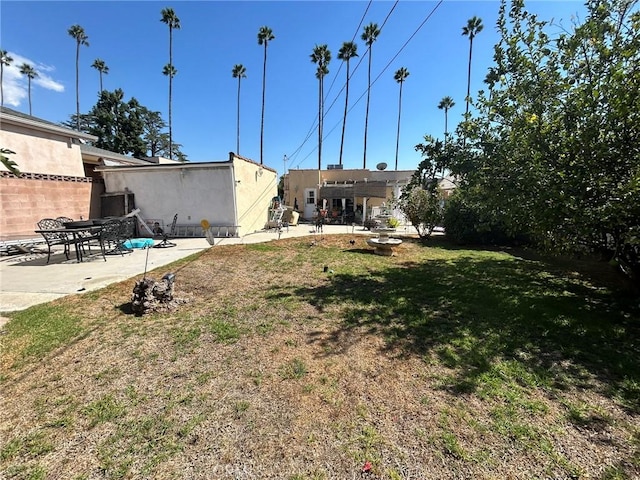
{"points": [[234, 196], [337, 190], [57, 174], [62, 175]]}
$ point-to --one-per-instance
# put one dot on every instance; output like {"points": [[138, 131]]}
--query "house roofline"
{"points": [[11, 117], [164, 166], [233, 156], [101, 153]]}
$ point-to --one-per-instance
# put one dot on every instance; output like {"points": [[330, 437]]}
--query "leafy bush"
{"points": [[393, 222], [422, 207], [466, 222]]}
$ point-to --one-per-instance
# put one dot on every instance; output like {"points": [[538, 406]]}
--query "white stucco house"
{"points": [[234, 196]]}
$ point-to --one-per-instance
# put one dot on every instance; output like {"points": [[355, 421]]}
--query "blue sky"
{"points": [[214, 36]]}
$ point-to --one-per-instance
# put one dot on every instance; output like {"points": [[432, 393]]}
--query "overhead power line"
{"points": [[314, 124], [426, 19]]}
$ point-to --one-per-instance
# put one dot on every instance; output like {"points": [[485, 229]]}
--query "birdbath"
{"points": [[383, 244]]}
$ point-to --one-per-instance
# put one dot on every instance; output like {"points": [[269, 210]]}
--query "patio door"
{"points": [[309, 202]]}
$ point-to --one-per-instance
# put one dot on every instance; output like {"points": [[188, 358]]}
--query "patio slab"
{"points": [[27, 280]]}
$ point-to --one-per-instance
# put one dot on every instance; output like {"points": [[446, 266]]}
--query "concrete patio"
{"points": [[27, 280]]}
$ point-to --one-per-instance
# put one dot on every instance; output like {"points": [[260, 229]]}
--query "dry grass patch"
{"points": [[437, 363]]}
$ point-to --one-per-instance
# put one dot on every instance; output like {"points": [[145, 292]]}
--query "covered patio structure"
{"points": [[342, 199]]}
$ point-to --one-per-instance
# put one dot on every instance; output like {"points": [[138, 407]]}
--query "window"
{"points": [[311, 197]]}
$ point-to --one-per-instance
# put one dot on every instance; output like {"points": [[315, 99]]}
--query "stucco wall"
{"points": [[298, 180], [195, 192], [25, 201], [255, 187], [41, 152]]}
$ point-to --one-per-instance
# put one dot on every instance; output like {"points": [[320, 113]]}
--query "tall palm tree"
{"points": [[471, 29], [239, 72], [346, 53], [265, 35], [81, 38], [5, 59], [170, 18], [369, 35], [321, 56], [101, 67], [30, 72], [170, 71], [400, 76], [445, 104]]}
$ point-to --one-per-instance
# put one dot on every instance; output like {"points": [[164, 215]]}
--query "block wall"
{"points": [[26, 200]]}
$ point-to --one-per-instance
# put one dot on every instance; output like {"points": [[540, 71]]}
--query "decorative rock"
{"points": [[149, 295]]}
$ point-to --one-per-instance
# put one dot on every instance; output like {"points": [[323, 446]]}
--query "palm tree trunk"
{"points": [[366, 117], [466, 112], [77, 87], [398, 135], [101, 82], [238, 120], [320, 124], [446, 111], [30, 95], [264, 77], [1, 85], [344, 118], [170, 91]]}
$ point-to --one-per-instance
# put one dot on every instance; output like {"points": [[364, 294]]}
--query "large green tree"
{"points": [[400, 76], [81, 38], [5, 59], [102, 68], [239, 72], [348, 51], [554, 149], [170, 18], [369, 35], [151, 141], [30, 73], [118, 124], [265, 35], [321, 56]]}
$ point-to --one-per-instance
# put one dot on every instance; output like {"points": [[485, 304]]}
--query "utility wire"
{"points": [[376, 79], [315, 124], [294, 155]]}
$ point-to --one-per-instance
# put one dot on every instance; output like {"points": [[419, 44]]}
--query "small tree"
{"points": [[422, 207]]}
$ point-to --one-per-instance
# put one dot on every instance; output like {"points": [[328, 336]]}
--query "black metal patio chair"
{"points": [[84, 238], [53, 238], [111, 238]]}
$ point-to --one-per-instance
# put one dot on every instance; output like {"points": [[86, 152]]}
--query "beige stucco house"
{"points": [[57, 178], [337, 190]]}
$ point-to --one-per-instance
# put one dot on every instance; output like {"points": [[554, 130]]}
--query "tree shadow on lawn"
{"points": [[471, 312]]}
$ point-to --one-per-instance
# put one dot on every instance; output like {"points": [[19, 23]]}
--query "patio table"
{"points": [[79, 236]]}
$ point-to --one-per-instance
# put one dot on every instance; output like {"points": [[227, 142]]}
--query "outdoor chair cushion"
{"points": [[138, 243]]}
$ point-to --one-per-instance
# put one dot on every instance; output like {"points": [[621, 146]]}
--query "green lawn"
{"points": [[440, 362]]}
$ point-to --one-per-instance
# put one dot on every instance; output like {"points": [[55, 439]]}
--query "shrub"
{"points": [[465, 222]]}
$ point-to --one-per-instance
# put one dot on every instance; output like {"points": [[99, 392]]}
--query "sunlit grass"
{"points": [[508, 357]]}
